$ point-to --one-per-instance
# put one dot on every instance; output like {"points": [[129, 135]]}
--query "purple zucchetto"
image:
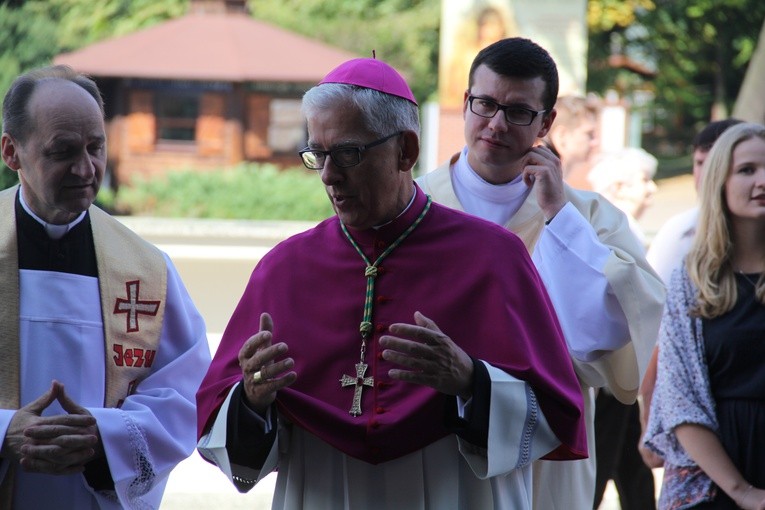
{"points": [[372, 74]]}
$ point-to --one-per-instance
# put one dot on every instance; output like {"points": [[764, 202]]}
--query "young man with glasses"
{"points": [[607, 298], [369, 359]]}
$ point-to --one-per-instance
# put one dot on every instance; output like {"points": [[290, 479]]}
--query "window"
{"points": [[286, 130], [176, 116]]}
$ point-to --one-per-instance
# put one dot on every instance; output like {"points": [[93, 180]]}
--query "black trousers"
{"points": [[617, 432]]}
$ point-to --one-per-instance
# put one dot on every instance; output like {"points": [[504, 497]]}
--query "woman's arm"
{"points": [[704, 447]]}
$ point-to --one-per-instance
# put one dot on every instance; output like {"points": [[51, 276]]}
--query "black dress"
{"points": [[735, 355]]}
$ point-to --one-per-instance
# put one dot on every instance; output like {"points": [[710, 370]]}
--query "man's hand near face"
{"points": [[542, 169]]}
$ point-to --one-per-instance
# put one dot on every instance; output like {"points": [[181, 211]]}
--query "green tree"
{"points": [[702, 48], [82, 22], [699, 50], [35, 31], [28, 38], [404, 33], [32, 32]]}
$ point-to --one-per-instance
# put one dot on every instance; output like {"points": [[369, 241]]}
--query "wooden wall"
{"points": [[231, 127]]}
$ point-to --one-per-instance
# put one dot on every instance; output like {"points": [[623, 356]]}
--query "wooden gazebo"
{"points": [[207, 90]]}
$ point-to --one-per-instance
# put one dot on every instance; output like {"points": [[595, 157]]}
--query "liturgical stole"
{"points": [[132, 279]]}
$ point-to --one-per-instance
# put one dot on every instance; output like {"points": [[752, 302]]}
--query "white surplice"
{"points": [[448, 474], [672, 243], [61, 338]]}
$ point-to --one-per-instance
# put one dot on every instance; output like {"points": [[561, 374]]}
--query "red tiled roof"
{"points": [[212, 47]]}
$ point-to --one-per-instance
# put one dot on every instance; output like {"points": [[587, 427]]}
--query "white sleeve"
{"points": [[513, 442], [571, 261], [213, 447], [154, 429], [671, 244]]}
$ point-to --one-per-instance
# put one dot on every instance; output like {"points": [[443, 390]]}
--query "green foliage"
{"points": [[404, 33], [700, 50], [606, 15], [27, 40], [8, 177], [35, 31], [82, 22], [244, 192]]}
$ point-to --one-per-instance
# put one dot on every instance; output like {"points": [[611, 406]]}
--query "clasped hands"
{"points": [[423, 353], [57, 445]]}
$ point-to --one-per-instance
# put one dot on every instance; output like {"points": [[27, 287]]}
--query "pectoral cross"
{"points": [[359, 382]]}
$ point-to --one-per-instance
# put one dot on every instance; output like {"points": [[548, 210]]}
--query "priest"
{"points": [[607, 297], [398, 355], [102, 347]]}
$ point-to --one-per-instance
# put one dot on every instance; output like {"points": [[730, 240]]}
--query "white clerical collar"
{"points": [[411, 201], [494, 202], [53, 231]]}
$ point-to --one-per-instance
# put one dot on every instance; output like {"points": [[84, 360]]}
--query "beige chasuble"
{"points": [[640, 294], [622, 370]]}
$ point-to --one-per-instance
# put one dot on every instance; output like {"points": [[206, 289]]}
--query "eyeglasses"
{"points": [[342, 157], [517, 115]]}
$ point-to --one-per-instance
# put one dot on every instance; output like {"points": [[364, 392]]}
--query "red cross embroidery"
{"points": [[132, 306]]}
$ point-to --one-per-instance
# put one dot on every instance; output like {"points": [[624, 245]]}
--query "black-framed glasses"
{"points": [[517, 115], [342, 157]]}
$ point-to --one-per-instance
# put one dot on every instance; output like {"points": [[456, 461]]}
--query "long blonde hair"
{"points": [[709, 261]]}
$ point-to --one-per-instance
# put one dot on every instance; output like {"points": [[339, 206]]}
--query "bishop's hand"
{"points": [[264, 368], [428, 357], [542, 169]]}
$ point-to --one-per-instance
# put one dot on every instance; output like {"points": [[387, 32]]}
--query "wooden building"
{"points": [[207, 90]]}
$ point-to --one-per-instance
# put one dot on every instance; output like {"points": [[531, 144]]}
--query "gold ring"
{"points": [[257, 377]]}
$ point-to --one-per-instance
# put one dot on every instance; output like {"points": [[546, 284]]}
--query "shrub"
{"points": [[8, 177], [247, 191]]}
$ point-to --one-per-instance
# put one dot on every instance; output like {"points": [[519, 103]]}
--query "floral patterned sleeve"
{"points": [[682, 393]]}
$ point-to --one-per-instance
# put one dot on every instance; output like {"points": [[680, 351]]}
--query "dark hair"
{"points": [[516, 57], [706, 138], [16, 119]]}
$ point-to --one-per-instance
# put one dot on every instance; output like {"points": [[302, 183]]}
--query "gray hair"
{"points": [[613, 167], [383, 113]]}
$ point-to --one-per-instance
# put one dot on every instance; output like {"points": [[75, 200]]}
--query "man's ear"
{"points": [[9, 150], [557, 137], [409, 150], [547, 122]]}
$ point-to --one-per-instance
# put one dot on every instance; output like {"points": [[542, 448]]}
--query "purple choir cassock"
{"points": [[474, 279]]}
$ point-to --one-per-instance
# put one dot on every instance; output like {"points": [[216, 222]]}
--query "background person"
{"points": [[673, 240], [707, 412], [624, 178], [102, 346], [573, 138], [667, 250]]}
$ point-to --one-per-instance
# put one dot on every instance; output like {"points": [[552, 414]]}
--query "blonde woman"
{"points": [[708, 410]]}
